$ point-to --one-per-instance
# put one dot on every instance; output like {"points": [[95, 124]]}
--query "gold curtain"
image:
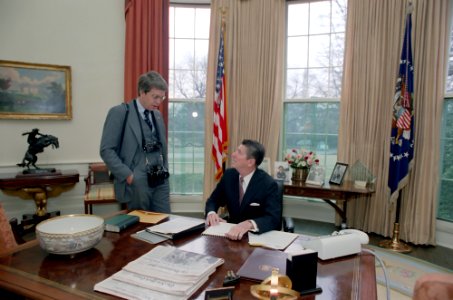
{"points": [[254, 66], [374, 38]]}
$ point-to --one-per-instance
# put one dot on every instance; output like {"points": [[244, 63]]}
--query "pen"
{"points": [[148, 212]]}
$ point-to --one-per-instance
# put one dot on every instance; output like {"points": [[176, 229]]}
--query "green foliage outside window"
{"points": [[445, 208]]}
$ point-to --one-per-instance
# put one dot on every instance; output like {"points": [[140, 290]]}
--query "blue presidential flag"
{"points": [[402, 137]]}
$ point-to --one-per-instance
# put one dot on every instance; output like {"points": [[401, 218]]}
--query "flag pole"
{"points": [[220, 123], [402, 138], [395, 244]]}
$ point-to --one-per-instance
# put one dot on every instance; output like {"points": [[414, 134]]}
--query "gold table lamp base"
{"points": [[275, 287], [395, 244]]}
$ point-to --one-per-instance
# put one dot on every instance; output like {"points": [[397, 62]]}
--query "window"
{"points": [[445, 208], [314, 66], [189, 39]]}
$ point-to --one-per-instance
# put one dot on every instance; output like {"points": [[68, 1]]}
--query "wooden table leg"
{"points": [[341, 212]]}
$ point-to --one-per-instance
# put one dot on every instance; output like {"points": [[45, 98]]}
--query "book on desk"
{"points": [[260, 263], [120, 222]]}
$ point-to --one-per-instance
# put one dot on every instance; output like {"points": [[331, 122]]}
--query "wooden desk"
{"points": [[38, 275], [328, 192]]}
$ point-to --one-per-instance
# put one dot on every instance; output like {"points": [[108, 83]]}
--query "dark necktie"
{"points": [[241, 188], [147, 120]]}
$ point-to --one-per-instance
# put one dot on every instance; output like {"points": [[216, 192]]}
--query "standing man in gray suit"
{"points": [[134, 148]]}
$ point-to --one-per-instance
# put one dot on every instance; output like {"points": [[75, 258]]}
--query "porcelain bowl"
{"points": [[70, 234]]}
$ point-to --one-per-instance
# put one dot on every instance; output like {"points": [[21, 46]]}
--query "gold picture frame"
{"points": [[34, 91]]}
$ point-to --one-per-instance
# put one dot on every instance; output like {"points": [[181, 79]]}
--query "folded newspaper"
{"points": [[165, 272]]}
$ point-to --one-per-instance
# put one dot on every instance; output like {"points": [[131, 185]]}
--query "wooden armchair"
{"points": [[98, 187], [8, 242], [434, 286]]}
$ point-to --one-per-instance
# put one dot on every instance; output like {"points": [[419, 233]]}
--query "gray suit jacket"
{"points": [[122, 164]]}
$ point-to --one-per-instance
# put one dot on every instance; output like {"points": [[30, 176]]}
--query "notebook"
{"points": [[218, 230], [272, 239], [260, 263]]}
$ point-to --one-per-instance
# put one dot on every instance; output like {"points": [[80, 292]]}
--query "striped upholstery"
{"points": [[98, 187], [100, 192]]}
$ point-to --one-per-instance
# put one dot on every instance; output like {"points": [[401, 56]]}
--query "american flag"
{"points": [[402, 135], [220, 130]]}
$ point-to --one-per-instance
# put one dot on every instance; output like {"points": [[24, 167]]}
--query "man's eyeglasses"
{"points": [[155, 97]]}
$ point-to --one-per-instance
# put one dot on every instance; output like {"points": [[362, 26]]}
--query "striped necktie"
{"points": [[241, 189], [147, 120]]}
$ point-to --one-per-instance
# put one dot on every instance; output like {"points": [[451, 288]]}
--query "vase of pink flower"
{"points": [[301, 160]]}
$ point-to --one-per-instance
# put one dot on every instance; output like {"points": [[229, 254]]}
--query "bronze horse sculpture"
{"points": [[37, 145]]}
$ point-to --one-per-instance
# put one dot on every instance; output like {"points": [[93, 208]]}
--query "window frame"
{"points": [[175, 99]]}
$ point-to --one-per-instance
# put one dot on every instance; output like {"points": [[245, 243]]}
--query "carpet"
{"points": [[402, 270]]}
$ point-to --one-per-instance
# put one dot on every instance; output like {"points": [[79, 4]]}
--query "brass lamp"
{"points": [[275, 287]]}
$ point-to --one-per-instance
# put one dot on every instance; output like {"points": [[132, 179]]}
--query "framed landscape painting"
{"points": [[34, 91]]}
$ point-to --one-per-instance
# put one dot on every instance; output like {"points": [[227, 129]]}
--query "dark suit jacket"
{"points": [[122, 164], [261, 201]]}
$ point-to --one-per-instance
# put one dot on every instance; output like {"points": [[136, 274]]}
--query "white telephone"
{"points": [[342, 243], [364, 239]]}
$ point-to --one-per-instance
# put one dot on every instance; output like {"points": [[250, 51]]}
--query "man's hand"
{"points": [[130, 179], [238, 231], [213, 219]]}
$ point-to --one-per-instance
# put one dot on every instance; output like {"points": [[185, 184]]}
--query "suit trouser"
{"points": [[150, 199]]}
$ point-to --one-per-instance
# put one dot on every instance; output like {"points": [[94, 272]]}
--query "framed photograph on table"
{"points": [[282, 171], [34, 91], [316, 176], [338, 173]]}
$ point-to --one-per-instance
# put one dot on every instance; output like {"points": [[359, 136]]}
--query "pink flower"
{"points": [[301, 158]]}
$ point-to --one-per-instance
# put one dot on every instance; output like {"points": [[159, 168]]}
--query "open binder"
{"points": [[177, 226]]}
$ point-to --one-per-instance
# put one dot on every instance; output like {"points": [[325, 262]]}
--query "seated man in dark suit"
{"points": [[257, 206]]}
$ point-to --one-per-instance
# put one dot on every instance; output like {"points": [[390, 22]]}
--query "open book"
{"points": [[272, 239]]}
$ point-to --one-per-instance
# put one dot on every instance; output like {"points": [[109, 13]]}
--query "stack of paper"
{"points": [[219, 229], [272, 239], [162, 273]]}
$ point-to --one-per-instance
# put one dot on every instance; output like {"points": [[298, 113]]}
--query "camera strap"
{"points": [[141, 126], [123, 128]]}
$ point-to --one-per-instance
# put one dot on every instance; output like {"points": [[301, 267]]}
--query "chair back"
{"points": [[98, 173], [280, 197], [98, 187], [287, 222], [434, 286]]}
